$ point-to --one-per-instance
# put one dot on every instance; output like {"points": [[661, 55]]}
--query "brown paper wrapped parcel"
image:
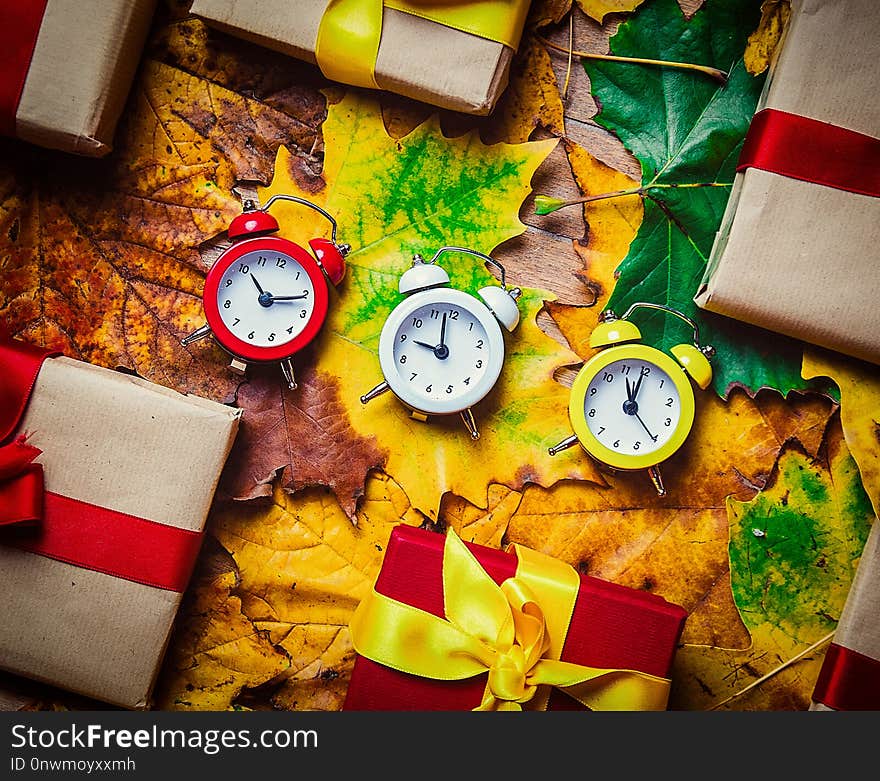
{"points": [[117, 442], [792, 256], [850, 675], [79, 72], [441, 64]]}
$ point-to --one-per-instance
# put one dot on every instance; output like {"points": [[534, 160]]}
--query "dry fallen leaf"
{"points": [[599, 9], [484, 526], [101, 258], [531, 99], [859, 385], [304, 568], [216, 652], [676, 545], [763, 42]]}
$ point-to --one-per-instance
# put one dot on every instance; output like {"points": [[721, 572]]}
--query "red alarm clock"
{"points": [[266, 298]]}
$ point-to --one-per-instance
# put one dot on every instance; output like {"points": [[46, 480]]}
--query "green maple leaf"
{"points": [[686, 129]]}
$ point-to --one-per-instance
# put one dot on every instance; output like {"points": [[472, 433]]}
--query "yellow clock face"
{"points": [[631, 406]]}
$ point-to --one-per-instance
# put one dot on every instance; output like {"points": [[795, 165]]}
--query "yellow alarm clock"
{"points": [[632, 405]]}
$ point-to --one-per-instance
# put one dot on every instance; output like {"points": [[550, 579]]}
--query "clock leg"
{"points": [[377, 391], [564, 445], [195, 336], [657, 480], [287, 371], [468, 417]]}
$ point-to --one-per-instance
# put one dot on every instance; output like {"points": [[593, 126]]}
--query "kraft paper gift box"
{"points": [[631, 634], [66, 69], [460, 64], [100, 535], [798, 251], [850, 674]]}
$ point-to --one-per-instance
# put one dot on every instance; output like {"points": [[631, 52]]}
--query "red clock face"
{"points": [[265, 299]]}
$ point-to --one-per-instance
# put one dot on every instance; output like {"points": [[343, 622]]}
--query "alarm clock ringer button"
{"points": [[252, 223], [695, 362], [331, 258]]}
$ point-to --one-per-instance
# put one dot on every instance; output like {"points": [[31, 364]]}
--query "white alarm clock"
{"points": [[441, 350]]}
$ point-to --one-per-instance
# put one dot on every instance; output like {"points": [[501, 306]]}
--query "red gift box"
{"points": [[611, 626]]}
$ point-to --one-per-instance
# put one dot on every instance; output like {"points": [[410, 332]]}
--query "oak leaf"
{"points": [[424, 191], [793, 552]]}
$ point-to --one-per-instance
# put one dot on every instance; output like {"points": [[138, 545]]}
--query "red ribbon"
{"points": [[802, 148], [67, 529], [21, 483], [20, 22], [848, 680]]}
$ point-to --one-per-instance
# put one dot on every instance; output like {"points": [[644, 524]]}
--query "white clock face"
{"points": [[441, 351], [265, 298], [632, 407]]}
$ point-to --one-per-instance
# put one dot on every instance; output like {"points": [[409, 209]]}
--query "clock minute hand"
{"points": [[442, 331], [635, 391], [639, 418], [260, 289], [288, 298]]}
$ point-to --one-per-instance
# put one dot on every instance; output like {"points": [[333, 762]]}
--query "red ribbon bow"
{"points": [[21, 481]]}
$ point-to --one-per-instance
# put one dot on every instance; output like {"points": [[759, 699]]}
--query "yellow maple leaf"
{"points": [[624, 532], [859, 385], [763, 41], [304, 567], [428, 191], [484, 526], [216, 651]]}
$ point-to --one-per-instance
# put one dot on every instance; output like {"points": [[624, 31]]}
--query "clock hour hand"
{"points": [[424, 344], [259, 288]]}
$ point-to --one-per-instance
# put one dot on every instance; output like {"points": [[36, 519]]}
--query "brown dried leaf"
{"points": [[312, 430]]}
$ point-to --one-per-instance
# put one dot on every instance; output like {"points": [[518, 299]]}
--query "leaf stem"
{"points": [[546, 205], [806, 652], [715, 73], [570, 54]]}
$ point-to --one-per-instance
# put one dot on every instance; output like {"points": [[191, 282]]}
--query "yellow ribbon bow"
{"points": [[515, 632], [350, 31]]}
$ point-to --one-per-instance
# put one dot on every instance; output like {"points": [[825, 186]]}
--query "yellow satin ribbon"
{"points": [[515, 632], [350, 31]]}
